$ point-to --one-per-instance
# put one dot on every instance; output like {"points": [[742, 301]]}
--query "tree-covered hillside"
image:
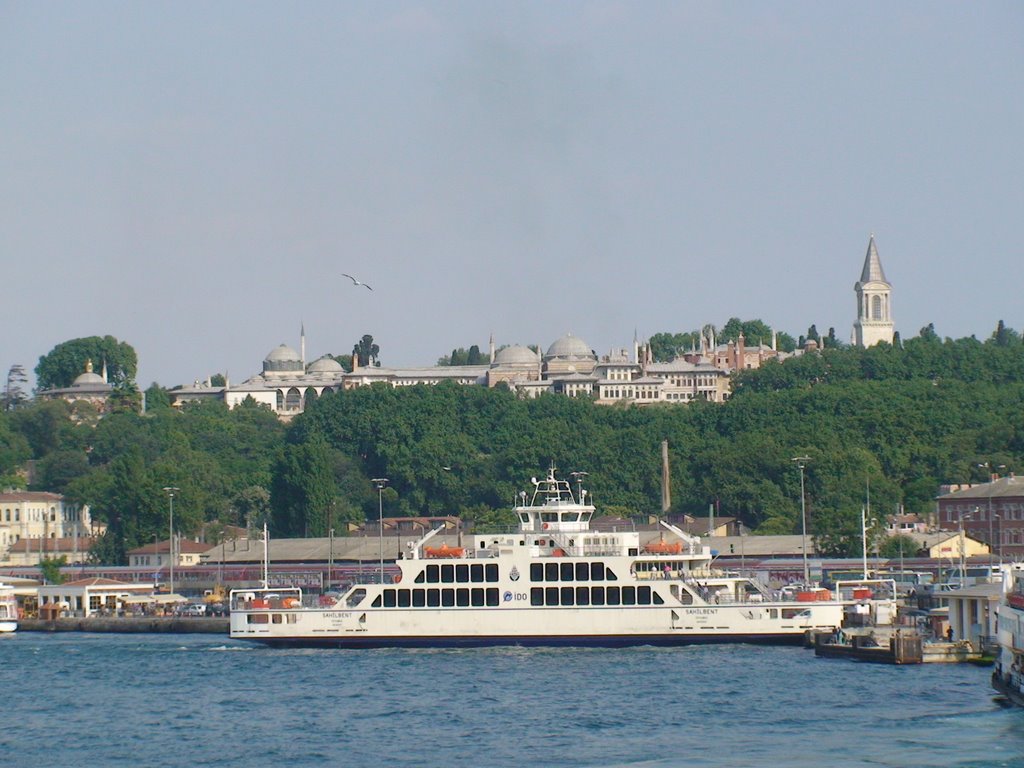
{"points": [[895, 420]]}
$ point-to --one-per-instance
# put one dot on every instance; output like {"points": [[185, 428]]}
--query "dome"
{"points": [[515, 355], [570, 346], [283, 353], [325, 364], [88, 379]]}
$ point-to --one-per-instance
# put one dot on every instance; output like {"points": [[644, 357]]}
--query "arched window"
{"points": [[280, 400], [293, 400], [876, 308]]}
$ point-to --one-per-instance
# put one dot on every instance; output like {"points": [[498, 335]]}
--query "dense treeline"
{"points": [[892, 421]]}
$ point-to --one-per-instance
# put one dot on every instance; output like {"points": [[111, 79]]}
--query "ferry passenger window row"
{"points": [[570, 571], [475, 573], [462, 597], [594, 596]]}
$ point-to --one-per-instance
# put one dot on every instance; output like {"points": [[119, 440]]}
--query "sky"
{"points": [[193, 178]]}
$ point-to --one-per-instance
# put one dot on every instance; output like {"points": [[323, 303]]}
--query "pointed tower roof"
{"points": [[872, 272]]}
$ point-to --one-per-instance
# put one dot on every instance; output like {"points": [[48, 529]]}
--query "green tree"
{"points": [[14, 390], [156, 397], [50, 567], [65, 362], [893, 547]]}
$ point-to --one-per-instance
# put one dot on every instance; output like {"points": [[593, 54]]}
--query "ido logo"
{"points": [[507, 597]]}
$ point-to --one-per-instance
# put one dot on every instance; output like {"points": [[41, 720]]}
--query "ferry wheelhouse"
{"points": [[1008, 675], [556, 581]]}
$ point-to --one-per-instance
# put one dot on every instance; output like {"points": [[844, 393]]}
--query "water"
{"points": [[197, 700]]}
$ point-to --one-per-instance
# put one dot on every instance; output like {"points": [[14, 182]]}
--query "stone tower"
{"points": [[874, 306]]}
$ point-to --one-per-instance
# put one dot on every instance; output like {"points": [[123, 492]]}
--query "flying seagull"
{"points": [[356, 282]]}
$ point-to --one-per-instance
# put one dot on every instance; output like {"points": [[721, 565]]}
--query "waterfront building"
{"points": [[84, 597], [874, 302], [74, 550], [991, 512], [158, 554], [35, 515]]}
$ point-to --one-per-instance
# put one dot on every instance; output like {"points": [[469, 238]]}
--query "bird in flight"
{"points": [[356, 282]]}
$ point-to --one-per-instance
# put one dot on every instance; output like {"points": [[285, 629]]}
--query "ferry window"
{"points": [[447, 598], [536, 571], [376, 602], [404, 598], [491, 570], [461, 573], [629, 595], [613, 595], [550, 571], [462, 597], [597, 571], [476, 595], [657, 599], [447, 574], [597, 596], [420, 577], [643, 595], [773, 613], [582, 571], [568, 596], [492, 596], [433, 598], [537, 596], [419, 598], [389, 598], [276, 618], [525, 517], [258, 618], [609, 575], [549, 517], [433, 574], [476, 573], [551, 596], [582, 595], [292, 618], [567, 571]]}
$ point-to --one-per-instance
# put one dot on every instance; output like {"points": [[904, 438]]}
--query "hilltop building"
{"points": [[874, 302], [89, 387]]}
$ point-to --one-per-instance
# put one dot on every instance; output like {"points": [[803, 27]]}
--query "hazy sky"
{"points": [[193, 178]]}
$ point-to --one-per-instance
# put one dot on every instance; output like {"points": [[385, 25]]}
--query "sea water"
{"points": [[77, 699]]}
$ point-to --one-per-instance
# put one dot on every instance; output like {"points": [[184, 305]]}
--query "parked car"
{"points": [[216, 609], [194, 609]]}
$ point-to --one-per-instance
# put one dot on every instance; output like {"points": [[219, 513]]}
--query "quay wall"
{"points": [[170, 625]]}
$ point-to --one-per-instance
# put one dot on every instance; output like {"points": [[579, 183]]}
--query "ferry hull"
{"points": [[538, 641]]}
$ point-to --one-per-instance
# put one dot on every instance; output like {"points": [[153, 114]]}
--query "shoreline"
{"points": [[130, 624]]}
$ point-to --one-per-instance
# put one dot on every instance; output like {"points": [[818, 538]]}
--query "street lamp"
{"points": [[379, 483], [170, 490], [801, 462]]}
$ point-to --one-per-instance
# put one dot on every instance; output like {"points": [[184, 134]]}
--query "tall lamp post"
{"points": [[801, 462], [963, 546], [170, 490], [379, 483]]}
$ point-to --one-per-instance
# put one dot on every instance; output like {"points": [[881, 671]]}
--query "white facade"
{"points": [[39, 515], [874, 302]]}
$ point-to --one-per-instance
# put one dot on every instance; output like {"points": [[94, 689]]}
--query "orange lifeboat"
{"points": [[444, 551], [663, 548]]}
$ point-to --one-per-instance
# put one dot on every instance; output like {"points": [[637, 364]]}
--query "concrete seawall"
{"points": [[173, 625]]}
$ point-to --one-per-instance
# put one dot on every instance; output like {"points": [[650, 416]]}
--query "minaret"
{"points": [[874, 307], [302, 344]]}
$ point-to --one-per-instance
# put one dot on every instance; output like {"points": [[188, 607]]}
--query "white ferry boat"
{"points": [[554, 582], [1008, 675], [8, 609]]}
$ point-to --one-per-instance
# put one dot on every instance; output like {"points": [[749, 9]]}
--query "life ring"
{"points": [[546, 526], [397, 578]]}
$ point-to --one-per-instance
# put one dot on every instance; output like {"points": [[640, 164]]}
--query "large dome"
{"points": [[88, 379], [326, 364], [570, 346], [515, 355], [281, 354]]}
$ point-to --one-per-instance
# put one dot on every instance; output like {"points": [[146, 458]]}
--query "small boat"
{"points": [[553, 582], [8, 609]]}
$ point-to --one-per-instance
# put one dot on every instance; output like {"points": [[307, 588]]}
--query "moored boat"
{"points": [[555, 581], [8, 609]]}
